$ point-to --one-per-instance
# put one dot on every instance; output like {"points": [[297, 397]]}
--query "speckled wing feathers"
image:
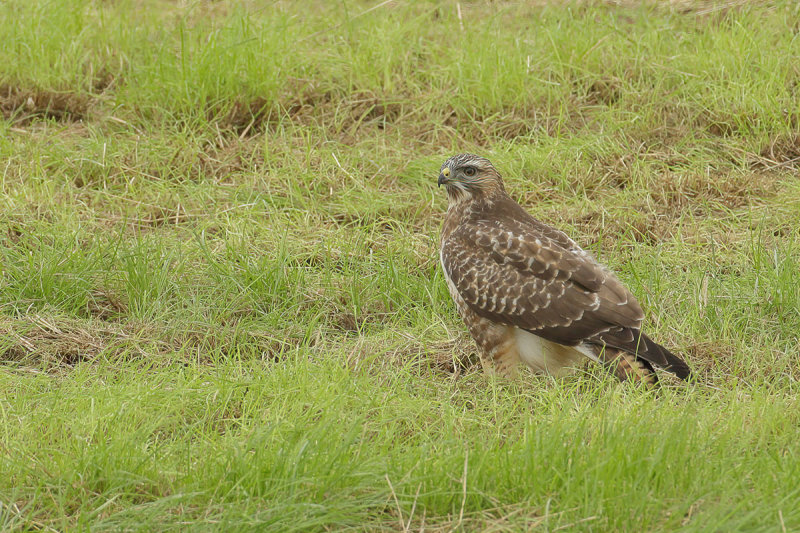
{"points": [[533, 283]]}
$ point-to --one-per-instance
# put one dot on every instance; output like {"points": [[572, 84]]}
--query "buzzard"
{"points": [[529, 294]]}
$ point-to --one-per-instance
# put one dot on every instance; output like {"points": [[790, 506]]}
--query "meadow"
{"points": [[221, 306]]}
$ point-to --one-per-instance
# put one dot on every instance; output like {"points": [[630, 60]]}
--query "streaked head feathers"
{"points": [[466, 175]]}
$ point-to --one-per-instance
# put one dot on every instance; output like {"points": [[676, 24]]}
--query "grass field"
{"points": [[221, 306]]}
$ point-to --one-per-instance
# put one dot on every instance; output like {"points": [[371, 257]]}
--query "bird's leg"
{"points": [[499, 355], [502, 361], [626, 367]]}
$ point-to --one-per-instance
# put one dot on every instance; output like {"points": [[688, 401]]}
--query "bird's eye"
{"points": [[469, 171]]}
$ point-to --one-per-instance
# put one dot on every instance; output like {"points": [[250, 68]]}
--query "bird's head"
{"points": [[466, 176]]}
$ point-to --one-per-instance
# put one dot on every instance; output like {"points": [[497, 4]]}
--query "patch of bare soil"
{"points": [[19, 229], [346, 117], [14, 232], [102, 79], [23, 104]]}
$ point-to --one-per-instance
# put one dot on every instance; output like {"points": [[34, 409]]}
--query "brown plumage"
{"points": [[528, 293]]}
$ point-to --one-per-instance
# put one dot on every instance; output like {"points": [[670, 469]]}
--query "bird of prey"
{"points": [[529, 294]]}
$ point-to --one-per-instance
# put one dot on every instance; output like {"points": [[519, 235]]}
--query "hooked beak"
{"points": [[443, 176]]}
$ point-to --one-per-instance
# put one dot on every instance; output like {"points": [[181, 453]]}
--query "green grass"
{"points": [[220, 300]]}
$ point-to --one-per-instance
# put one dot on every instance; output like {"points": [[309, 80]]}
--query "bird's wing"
{"points": [[515, 273]]}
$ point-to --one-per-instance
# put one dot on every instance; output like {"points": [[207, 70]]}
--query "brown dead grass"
{"points": [[345, 117], [300, 102], [58, 343], [350, 324], [603, 91], [598, 226], [708, 355], [63, 343], [702, 194], [453, 356], [670, 200], [105, 305], [715, 362], [782, 152], [351, 117], [246, 116], [343, 320], [156, 216], [14, 232]]}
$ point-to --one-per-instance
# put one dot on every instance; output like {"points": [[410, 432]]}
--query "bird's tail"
{"points": [[644, 350]]}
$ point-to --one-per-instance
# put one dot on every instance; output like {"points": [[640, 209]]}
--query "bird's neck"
{"points": [[460, 196], [468, 205]]}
